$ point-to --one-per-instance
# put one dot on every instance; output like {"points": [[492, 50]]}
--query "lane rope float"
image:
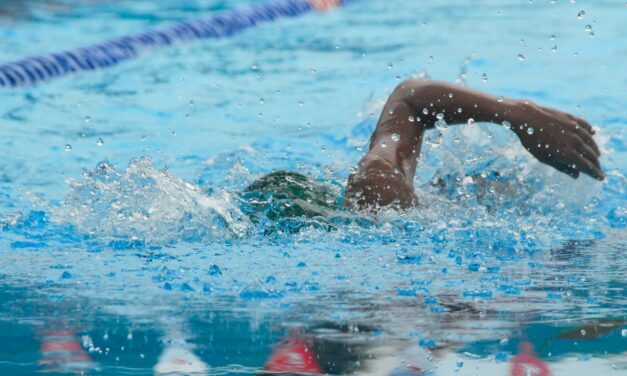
{"points": [[41, 68]]}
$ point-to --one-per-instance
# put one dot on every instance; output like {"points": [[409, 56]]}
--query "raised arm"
{"points": [[385, 174]]}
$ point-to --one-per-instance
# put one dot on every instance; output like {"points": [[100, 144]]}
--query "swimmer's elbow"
{"points": [[414, 89]]}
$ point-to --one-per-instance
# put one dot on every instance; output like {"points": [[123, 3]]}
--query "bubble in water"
{"points": [[99, 141], [262, 101], [68, 147], [583, 332], [507, 124], [588, 28], [521, 57], [554, 48], [484, 77], [530, 130], [425, 111], [439, 116], [552, 37], [396, 137], [471, 121], [581, 14], [440, 124], [411, 119], [623, 332], [500, 99], [384, 144], [254, 67], [87, 119]]}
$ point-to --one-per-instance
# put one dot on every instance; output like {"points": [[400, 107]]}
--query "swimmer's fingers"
{"points": [[588, 141], [573, 173], [581, 122], [588, 166]]}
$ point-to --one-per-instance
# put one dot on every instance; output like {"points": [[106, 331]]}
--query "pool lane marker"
{"points": [[36, 69]]}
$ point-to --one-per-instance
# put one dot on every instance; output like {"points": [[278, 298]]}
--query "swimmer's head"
{"points": [[286, 194]]}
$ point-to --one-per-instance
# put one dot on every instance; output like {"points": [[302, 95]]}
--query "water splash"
{"points": [[149, 205]]}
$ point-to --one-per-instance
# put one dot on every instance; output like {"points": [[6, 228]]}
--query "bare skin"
{"points": [[385, 174]]}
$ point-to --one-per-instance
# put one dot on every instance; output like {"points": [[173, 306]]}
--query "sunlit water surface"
{"points": [[125, 247]]}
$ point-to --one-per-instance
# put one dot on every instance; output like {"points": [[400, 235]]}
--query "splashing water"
{"points": [[149, 205]]}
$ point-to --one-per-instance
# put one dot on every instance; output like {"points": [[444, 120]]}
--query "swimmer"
{"points": [[385, 175]]}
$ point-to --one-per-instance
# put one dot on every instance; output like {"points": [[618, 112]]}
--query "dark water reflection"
{"points": [[56, 334]]}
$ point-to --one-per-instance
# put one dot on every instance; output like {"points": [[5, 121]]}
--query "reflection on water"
{"points": [[66, 336]]}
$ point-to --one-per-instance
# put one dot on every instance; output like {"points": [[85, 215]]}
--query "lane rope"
{"points": [[41, 68]]}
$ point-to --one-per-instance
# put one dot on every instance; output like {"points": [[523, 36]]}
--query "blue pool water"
{"points": [[124, 243]]}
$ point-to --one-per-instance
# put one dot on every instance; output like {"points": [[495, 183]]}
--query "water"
{"points": [[132, 252]]}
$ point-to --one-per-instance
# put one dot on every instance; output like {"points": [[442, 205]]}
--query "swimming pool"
{"points": [[125, 247]]}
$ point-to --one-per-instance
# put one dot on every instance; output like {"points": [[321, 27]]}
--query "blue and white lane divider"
{"points": [[36, 69]]}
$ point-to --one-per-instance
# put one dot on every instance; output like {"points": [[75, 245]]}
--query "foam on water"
{"points": [[144, 203]]}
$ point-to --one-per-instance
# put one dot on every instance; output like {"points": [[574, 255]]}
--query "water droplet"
{"points": [[68, 147], [254, 67], [583, 332], [521, 57], [396, 137], [458, 365], [552, 37], [507, 124], [191, 103], [471, 121], [581, 14], [99, 141], [87, 119], [439, 116], [425, 111], [500, 99], [554, 48], [484, 77], [411, 119], [530, 130], [384, 144], [588, 28], [390, 66], [262, 101], [623, 332], [450, 95], [313, 71]]}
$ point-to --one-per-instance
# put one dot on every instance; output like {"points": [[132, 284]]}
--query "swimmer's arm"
{"points": [[385, 174], [556, 138]]}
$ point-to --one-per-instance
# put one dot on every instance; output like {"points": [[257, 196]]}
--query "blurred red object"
{"points": [[294, 356], [526, 364]]}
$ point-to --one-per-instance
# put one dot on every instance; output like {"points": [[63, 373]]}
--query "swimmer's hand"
{"points": [[558, 139]]}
